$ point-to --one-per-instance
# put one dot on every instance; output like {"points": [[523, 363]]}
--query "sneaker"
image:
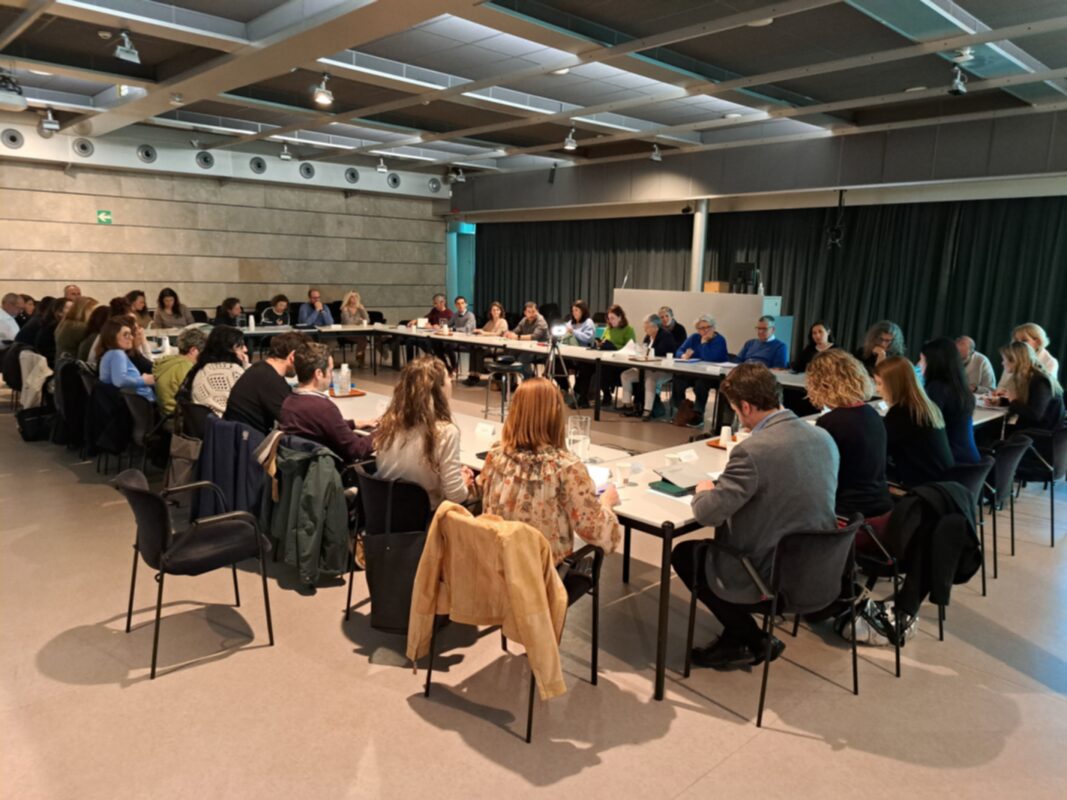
{"points": [[880, 619]]}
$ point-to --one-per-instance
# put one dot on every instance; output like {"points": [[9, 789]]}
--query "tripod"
{"points": [[555, 357]]}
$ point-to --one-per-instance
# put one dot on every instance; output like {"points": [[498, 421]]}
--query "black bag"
{"points": [[392, 560], [35, 424]]}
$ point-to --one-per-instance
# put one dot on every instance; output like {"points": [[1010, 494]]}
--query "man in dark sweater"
{"points": [[310, 413], [672, 326], [256, 399]]}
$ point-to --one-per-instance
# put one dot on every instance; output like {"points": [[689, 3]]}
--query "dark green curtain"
{"points": [[974, 267]]}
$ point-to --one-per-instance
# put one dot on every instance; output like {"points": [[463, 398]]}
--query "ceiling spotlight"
{"points": [[732, 115], [11, 98], [656, 156], [125, 51], [761, 23], [561, 71], [285, 155], [322, 95], [458, 176], [194, 143], [177, 99], [105, 35], [381, 166], [958, 86], [570, 144], [48, 122], [962, 55]]}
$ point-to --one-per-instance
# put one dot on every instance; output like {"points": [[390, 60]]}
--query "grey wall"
{"points": [[209, 239]]}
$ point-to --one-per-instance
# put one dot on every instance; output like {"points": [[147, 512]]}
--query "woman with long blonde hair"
{"points": [[1031, 392], [417, 440], [837, 381], [353, 313], [72, 328], [1035, 336], [916, 443], [529, 476]]}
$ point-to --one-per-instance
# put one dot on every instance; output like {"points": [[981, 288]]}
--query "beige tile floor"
{"points": [[332, 710]]}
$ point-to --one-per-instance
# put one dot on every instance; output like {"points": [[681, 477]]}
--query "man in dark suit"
{"points": [[779, 480]]}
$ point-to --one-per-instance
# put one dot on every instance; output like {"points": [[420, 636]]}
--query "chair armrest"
{"points": [[753, 574], [189, 487], [226, 516], [589, 551], [1036, 433]]}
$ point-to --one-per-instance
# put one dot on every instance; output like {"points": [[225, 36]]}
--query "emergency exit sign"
{"points": [[103, 217]]}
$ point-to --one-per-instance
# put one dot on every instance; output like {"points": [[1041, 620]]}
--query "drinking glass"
{"points": [[578, 436]]}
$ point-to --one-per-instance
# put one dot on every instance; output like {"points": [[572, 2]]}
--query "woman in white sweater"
{"points": [[417, 440], [217, 369]]}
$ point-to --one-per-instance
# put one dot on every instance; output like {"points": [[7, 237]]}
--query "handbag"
{"points": [[184, 455], [392, 560], [34, 424]]}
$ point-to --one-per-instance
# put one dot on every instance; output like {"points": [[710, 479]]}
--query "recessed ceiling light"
{"points": [[105, 35], [41, 72], [732, 115], [761, 23], [915, 89], [561, 71]]}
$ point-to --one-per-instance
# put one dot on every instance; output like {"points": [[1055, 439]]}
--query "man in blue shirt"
{"points": [[705, 344], [765, 348], [314, 311]]}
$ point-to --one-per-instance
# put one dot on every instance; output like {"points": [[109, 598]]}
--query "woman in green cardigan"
{"points": [[617, 334]]}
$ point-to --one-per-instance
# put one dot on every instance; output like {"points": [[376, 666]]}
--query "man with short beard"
{"points": [[256, 399]]}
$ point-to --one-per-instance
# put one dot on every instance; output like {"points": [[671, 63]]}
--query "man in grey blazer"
{"points": [[780, 480]]}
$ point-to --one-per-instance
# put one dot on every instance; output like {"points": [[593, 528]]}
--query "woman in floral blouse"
{"points": [[530, 477]]}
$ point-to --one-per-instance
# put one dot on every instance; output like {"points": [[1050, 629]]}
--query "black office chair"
{"points": [[1007, 454], [191, 418], [209, 544], [147, 423], [505, 372], [806, 577], [199, 315], [394, 516], [1046, 462], [261, 306], [973, 478], [580, 572], [12, 369], [376, 317]]}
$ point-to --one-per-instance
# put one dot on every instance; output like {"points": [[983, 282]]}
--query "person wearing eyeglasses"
{"points": [[116, 368], [765, 348], [884, 340], [314, 312], [704, 344]]}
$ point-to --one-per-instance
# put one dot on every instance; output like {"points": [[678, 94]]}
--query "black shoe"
{"points": [[646, 416], [583, 404], [571, 402], [470, 380], [777, 648], [696, 423], [723, 654]]}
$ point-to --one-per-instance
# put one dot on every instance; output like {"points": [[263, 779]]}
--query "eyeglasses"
{"points": [[764, 328]]}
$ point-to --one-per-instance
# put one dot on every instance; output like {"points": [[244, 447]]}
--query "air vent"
{"points": [[352, 175], [146, 153], [83, 147], [434, 185], [257, 165], [11, 138], [393, 180], [307, 170], [205, 160]]}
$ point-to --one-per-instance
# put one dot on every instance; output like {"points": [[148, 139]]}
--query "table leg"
{"points": [[626, 554], [664, 609], [373, 354], [596, 391]]}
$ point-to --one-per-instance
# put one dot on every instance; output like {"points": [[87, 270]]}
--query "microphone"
{"points": [[625, 279]]}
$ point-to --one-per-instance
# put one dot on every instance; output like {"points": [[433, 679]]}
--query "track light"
{"points": [[456, 177], [125, 51], [11, 98], [48, 123], [962, 55], [381, 166], [959, 82], [285, 155], [322, 95], [570, 143], [656, 156]]}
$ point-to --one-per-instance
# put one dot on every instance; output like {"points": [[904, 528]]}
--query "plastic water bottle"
{"points": [[251, 322]]}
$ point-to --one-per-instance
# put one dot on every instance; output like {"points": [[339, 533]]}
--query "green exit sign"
{"points": [[103, 217]]}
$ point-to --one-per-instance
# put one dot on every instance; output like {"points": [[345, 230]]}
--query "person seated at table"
{"points": [[820, 339], [29, 305], [581, 331], [495, 325], [116, 368], [1035, 336], [230, 313], [170, 312], [139, 307], [883, 340], [72, 328], [354, 313], [309, 412], [27, 334], [1031, 392], [837, 381], [277, 313], [531, 327], [171, 371], [314, 312], [218, 368], [529, 476], [617, 334], [438, 316], [917, 446], [97, 318], [765, 349], [10, 307], [946, 384], [704, 344], [768, 489], [672, 326], [416, 439], [45, 343], [256, 399], [978, 369], [658, 342], [463, 321]]}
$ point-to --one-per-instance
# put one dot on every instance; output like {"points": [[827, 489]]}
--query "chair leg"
{"points": [[1011, 513], [594, 658], [503, 641], [133, 584], [155, 636], [993, 516], [626, 554], [896, 614], [266, 598], [1052, 513], [429, 669], [351, 580], [796, 623], [690, 631], [855, 655], [529, 709], [768, 630], [236, 591], [981, 527], [941, 623]]}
